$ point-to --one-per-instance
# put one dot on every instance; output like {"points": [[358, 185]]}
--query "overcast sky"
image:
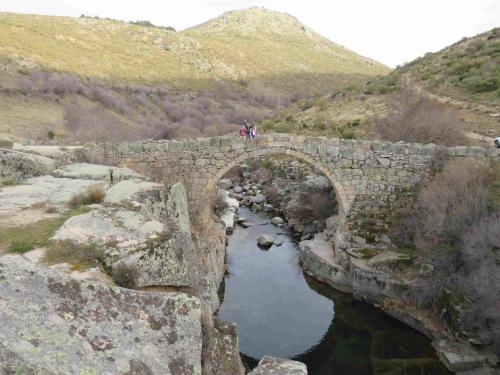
{"points": [[390, 31]]}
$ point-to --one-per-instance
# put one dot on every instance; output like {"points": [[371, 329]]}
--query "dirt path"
{"points": [[479, 137]]}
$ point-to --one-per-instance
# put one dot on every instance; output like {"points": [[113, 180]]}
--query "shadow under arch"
{"points": [[340, 194]]}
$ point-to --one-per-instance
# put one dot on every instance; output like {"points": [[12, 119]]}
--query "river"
{"points": [[282, 312]]}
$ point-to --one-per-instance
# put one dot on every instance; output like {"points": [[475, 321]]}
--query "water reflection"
{"points": [[282, 313]]}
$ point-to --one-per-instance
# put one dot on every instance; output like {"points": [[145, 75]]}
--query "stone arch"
{"points": [[340, 194]]}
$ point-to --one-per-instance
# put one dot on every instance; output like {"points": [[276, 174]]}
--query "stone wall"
{"points": [[366, 175]]}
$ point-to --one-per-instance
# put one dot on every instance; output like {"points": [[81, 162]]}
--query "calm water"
{"points": [[281, 312]]}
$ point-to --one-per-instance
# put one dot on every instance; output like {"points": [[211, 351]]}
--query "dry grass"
{"points": [[223, 48], [92, 195], [81, 255], [29, 117], [344, 117]]}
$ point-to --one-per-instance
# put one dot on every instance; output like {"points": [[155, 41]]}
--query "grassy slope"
{"points": [[468, 69], [265, 43], [255, 45], [465, 75]]}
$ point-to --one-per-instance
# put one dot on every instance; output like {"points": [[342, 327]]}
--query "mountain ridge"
{"points": [[118, 50]]}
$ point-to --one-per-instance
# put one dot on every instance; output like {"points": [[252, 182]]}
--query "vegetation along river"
{"points": [[282, 312]]}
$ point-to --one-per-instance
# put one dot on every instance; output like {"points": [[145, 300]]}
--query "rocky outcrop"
{"points": [[278, 366], [141, 232], [228, 210], [83, 327], [85, 171], [357, 276], [47, 190], [144, 232], [16, 166], [458, 357], [363, 275], [318, 259]]}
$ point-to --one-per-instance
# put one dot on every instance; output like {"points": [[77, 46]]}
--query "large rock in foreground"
{"points": [[278, 366], [52, 324]]}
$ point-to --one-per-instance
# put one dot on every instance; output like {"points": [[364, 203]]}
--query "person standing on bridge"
{"points": [[242, 132], [248, 130]]}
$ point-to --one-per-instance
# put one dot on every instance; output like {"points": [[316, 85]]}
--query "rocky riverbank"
{"points": [[103, 249], [284, 187], [107, 277], [370, 274]]}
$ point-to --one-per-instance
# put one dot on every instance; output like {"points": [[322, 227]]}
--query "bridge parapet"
{"points": [[367, 175]]}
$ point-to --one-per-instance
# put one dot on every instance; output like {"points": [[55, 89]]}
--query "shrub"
{"points": [[9, 182], [272, 194], [281, 128], [454, 199], [234, 174], [305, 104], [315, 206], [416, 118], [450, 224], [93, 194], [51, 135], [23, 71], [262, 175], [75, 201], [110, 99], [147, 23], [478, 276], [480, 84], [219, 202], [348, 135]]}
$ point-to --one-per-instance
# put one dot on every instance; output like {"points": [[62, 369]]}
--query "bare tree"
{"points": [[415, 117]]}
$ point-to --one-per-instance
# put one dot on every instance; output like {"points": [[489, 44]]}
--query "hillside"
{"points": [[464, 76], [237, 45], [468, 69], [260, 43], [87, 78]]}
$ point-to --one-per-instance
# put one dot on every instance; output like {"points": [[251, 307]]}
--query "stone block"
{"points": [[53, 324]]}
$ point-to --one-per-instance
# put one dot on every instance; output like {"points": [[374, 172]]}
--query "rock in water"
{"points": [[278, 366], [265, 241], [278, 221], [259, 198], [227, 219], [52, 324]]}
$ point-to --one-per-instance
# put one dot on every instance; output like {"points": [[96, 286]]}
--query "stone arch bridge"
{"points": [[367, 176]]}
